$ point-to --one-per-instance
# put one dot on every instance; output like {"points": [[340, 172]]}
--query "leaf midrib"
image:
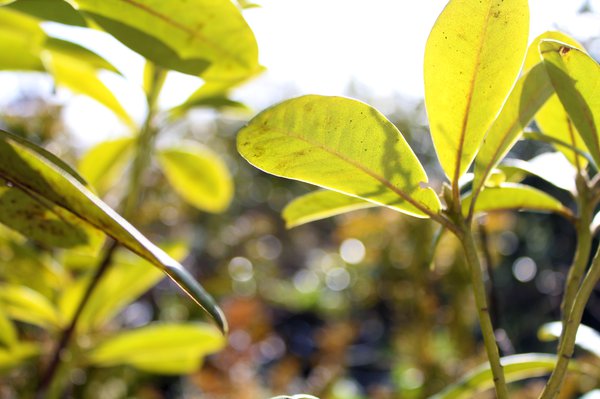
{"points": [[421, 207]]}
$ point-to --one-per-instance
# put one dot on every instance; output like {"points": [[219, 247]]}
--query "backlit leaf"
{"points": [[576, 79], [586, 338], [530, 92], [104, 163], [81, 77], [8, 332], [21, 39], [16, 355], [51, 10], [159, 348], [516, 368], [549, 166], [198, 175], [320, 204], [81, 53], [472, 59], [516, 196], [212, 33], [343, 145], [46, 182], [26, 305], [552, 118]]}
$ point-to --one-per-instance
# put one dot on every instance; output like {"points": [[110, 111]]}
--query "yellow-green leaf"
{"points": [[103, 164], [518, 197], [552, 119], [21, 39], [159, 348], [198, 175], [319, 205], [212, 32], [16, 355], [81, 53], [29, 306], [45, 181], [8, 332], [343, 145], [516, 368], [50, 10], [576, 79], [81, 77], [472, 59], [552, 167], [586, 338], [531, 91]]}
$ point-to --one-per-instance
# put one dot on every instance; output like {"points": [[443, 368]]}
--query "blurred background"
{"points": [[351, 307]]}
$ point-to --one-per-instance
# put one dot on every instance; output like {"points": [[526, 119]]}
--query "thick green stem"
{"points": [[485, 322], [577, 292], [586, 205], [569, 333]]}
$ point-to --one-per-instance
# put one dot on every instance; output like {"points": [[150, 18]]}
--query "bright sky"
{"points": [[320, 46]]}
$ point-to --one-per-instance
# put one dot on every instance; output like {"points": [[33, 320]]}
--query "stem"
{"points": [[155, 78], [569, 333], [67, 334], [577, 293], [586, 206], [485, 322]]}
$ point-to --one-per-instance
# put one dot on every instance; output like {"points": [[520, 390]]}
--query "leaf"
{"points": [[518, 197], [81, 53], [516, 368], [549, 166], [576, 79], [552, 118], [104, 163], [26, 305], [123, 283], [198, 175], [530, 92], [8, 332], [212, 32], [46, 182], [586, 338], [15, 356], [21, 39], [343, 145], [159, 348], [51, 10], [319, 205], [81, 77], [217, 103], [472, 59]]}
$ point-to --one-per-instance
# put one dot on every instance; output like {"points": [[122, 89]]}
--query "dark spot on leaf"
{"points": [[564, 50]]}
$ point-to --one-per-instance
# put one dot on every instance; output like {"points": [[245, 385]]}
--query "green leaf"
{"points": [[26, 305], [516, 196], [81, 77], [46, 182], [104, 163], [552, 118], [198, 175], [552, 167], [530, 92], [21, 39], [576, 79], [127, 280], [50, 10], [472, 59], [217, 103], [319, 205], [8, 332], [159, 348], [15, 356], [343, 145], [209, 32], [516, 368], [81, 53], [586, 338]]}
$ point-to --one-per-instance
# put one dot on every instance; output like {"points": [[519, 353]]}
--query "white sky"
{"points": [[316, 46]]}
